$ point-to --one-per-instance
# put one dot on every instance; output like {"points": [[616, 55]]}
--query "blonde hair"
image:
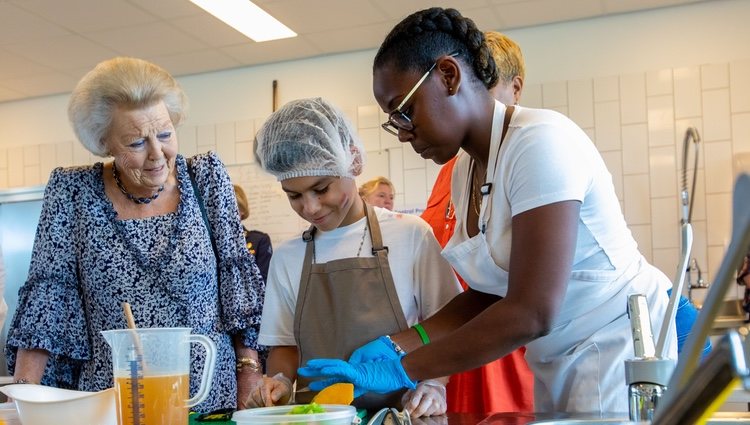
{"points": [[241, 201], [122, 81], [369, 187], [507, 55]]}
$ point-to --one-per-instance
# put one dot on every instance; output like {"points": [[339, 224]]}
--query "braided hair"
{"points": [[417, 41]]}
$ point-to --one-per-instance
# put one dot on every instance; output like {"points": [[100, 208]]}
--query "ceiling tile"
{"points": [[86, 15], [18, 25], [195, 62], [272, 51], [536, 12], [8, 94], [169, 9], [363, 37], [321, 15], [148, 40], [38, 37], [42, 85], [16, 66], [619, 6], [210, 30], [67, 52], [400, 9]]}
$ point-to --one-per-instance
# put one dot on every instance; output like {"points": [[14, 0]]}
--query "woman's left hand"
{"points": [[246, 382], [427, 400]]}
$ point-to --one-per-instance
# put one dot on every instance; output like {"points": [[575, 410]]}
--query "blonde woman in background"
{"points": [[378, 192]]}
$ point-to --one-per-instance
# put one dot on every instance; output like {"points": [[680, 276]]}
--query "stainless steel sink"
{"points": [[730, 315], [732, 308]]}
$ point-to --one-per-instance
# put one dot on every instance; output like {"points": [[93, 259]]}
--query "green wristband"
{"points": [[422, 334]]}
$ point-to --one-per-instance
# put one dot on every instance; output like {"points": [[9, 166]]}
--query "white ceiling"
{"points": [[47, 45]]}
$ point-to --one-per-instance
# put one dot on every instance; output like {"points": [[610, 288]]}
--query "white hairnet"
{"points": [[309, 137]]}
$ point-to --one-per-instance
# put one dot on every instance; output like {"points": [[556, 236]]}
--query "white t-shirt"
{"points": [[546, 158], [424, 281]]}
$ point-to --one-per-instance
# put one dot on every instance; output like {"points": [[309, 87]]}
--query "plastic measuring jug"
{"points": [[151, 368]]}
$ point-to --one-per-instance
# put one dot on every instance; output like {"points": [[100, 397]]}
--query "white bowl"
{"points": [[335, 414], [43, 405]]}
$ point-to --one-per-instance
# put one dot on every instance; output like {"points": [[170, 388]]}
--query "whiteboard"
{"points": [[269, 207]]}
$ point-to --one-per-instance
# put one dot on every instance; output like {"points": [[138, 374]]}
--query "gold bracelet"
{"points": [[248, 362]]}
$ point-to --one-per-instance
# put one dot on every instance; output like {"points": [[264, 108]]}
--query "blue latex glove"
{"points": [[380, 377], [375, 350]]}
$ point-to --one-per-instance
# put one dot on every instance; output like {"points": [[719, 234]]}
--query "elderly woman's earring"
{"points": [[450, 90]]}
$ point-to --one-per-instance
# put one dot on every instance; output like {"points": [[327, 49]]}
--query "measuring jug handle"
{"points": [[208, 368]]}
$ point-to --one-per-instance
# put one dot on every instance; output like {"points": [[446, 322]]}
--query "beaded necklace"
{"points": [[135, 199]]}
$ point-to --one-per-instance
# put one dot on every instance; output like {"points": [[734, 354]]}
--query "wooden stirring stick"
{"points": [[136, 339]]}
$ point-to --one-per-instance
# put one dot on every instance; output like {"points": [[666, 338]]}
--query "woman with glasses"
{"points": [[539, 238], [357, 273]]}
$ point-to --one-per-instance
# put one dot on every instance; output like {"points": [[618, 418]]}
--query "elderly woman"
{"points": [[358, 272], [378, 192], [131, 230]]}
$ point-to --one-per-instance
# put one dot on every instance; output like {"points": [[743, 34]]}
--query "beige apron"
{"points": [[344, 304]]}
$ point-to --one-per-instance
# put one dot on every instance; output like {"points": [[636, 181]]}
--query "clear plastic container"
{"points": [[335, 414]]}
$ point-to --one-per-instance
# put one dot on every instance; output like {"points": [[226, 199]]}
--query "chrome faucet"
{"points": [[694, 269]]}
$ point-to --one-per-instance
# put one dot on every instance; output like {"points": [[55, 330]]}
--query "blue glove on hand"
{"points": [[380, 377], [375, 350]]}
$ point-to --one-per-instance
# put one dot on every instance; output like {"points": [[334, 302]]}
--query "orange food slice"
{"points": [[341, 393]]}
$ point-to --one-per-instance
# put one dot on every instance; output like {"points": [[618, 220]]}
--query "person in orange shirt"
{"points": [[506, 384]]}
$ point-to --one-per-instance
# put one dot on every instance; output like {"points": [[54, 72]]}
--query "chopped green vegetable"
{"points": [[304, 409]]}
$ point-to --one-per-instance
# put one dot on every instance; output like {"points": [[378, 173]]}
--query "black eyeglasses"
{"points": [[397, 119]]}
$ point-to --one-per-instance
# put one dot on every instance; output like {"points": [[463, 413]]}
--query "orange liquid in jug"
{"points": [[162, 402]]}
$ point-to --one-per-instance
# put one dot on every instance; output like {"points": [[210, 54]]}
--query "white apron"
{"points": [[579, 365]]}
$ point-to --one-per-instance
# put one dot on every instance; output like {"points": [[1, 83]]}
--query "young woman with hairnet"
{"points": [[357, 273]]}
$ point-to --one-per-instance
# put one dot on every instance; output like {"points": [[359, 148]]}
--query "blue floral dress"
{"points": [[86, 262]]}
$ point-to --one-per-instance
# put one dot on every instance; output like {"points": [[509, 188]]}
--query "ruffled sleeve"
{"points": [[50, 312], [241, 286]]}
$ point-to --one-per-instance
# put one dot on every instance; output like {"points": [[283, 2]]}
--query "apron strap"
{"points": [[374, 229], [381, 252], [309, 237]]}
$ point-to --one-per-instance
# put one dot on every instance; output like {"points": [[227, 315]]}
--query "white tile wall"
{"points": [[687, 92], [633, 98], [580, 102], [716, 115], [225, 142], [606, 89], [554, 95], [714, 76], [663, 171], [659, 82], [607, 123], [636, 120], [739, 81], [635, 149], [661, 120]]}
